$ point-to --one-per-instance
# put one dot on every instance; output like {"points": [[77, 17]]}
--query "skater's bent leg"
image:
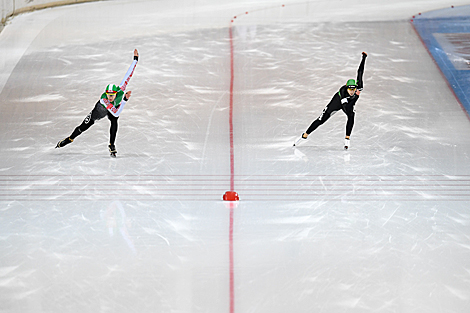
{"points": [[313, 126], [350, 124], [331, 108], [87, 123], [75, 133], [319, 121], [113, 129]]}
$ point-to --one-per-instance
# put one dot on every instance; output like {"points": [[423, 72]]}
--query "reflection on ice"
{"points": [[117, 221]]}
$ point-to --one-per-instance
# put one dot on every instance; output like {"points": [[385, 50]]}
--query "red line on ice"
{"points": [[232, 159], [232, 179]]}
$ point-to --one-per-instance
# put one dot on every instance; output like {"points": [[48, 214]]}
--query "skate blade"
{"points": [[298, 141]]}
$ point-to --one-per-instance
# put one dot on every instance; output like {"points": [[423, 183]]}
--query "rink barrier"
{"points": [[445, 33], [10, 8]]}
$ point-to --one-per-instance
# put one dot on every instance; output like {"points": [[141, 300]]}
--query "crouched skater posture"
{"points": [[111, 105], [344, 99]]}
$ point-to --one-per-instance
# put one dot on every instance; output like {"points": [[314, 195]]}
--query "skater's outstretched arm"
{"points": [[130, 71], [116, 110], [360, 72]]}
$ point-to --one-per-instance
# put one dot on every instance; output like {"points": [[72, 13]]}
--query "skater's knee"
{"points": [[84, 126], [114, 124]]}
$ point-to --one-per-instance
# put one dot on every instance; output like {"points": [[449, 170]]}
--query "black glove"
{"points": [[364, 55]]}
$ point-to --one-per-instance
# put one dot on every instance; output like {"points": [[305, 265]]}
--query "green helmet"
{"points": [[351, 83], [111, 88]]}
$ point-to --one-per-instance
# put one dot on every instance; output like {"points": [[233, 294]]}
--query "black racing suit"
{"points": [[342, 101], [98, 112]]}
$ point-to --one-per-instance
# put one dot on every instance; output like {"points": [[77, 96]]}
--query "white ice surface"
{"points": [[383, 227]]}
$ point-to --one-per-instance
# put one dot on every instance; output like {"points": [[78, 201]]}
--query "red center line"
{"points": [[232, 159], [232, 180]]}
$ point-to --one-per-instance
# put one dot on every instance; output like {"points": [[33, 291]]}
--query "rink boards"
{"points": [[446, 34]]}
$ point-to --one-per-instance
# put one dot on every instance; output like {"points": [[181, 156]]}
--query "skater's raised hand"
{"points": [[128, 95], [364, 55], [136, 53]]}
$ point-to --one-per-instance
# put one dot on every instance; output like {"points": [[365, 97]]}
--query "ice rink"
{"points": [[216, 105]]}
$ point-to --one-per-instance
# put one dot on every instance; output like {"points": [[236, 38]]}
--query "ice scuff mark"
{"points": [[398, 60], [42, 98], [41, 123], [403, 79], [350, 303], [204, 90], [7, 270], [264, 91], [151, 231], [461, 294], [19, 149]]}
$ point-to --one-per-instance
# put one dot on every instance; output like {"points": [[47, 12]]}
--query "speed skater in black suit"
{"points": [[344, 99]]}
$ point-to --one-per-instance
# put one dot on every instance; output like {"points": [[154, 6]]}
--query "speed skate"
{"points": [[298, 141], [302, 138]]}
